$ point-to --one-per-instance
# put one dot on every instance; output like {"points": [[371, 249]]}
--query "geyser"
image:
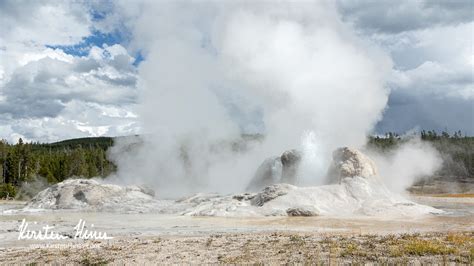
{"points": [[213, 71], [355, 191], [349, 162], [279, 169], [212, 67]]}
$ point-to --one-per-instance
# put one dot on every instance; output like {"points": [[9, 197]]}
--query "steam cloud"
{"points": [[410, 162], [212, 66]]}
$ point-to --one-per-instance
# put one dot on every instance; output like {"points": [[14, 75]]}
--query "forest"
{"points": [[22, 163], [26, 163]]}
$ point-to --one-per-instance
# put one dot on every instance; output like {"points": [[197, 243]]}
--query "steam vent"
{"points": [[347, 162], [279, 169]]}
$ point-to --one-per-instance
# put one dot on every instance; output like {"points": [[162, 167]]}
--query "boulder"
{"points": [[349, 162], [304, 211], [269, 193], [244, 196]]}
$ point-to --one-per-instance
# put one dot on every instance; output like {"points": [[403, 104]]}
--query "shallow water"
{"points": [[458, 216], [456, 207]]}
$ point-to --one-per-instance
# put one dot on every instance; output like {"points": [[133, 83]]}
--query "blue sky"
{"points": [[99, 39]]}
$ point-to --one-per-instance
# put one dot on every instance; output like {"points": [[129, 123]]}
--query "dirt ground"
{"points": [[277, 247]]}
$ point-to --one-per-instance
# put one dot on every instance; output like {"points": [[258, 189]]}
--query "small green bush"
{"points": [[7, 191]]}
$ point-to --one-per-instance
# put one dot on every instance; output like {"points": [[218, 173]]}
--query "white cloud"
{"points": [[42, 87], [77, 119], [44, 22], [436, 79], [404, 15], [431, 44], [29, 25], [46, 94], [432, 83], [435, 61]]}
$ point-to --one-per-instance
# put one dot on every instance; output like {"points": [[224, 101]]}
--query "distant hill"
{"points": [[102, 142]]}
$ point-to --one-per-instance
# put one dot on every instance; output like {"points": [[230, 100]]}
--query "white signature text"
{"points": [[47, 233]]}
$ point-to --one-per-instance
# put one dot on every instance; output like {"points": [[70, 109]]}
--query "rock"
{"points": [[349, 162], [305, 211], [198, 198], [244, 196], [290, 161], [145, 189], [271, 192], [268, 173]]}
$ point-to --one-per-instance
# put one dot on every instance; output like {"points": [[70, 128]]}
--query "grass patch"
{"points": [[421, 247], [87, 259], [459, 239], [350, 250]]}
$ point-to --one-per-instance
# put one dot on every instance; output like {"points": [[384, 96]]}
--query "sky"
{"points": [[71, 69]]}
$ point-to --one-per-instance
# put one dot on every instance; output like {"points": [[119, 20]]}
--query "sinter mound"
{"points": [[92, 195], [278, 169], [354, 190]]}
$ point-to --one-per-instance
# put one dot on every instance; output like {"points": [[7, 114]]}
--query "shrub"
{"points": [[7, 191]]}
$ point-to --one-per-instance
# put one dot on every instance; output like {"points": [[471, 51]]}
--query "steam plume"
{"points": [[209, 64], [407, 164]]}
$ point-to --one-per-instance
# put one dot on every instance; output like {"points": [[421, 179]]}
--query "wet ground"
{"points": [[458, 216], [141, 238]]}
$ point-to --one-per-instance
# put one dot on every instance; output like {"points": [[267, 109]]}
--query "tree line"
{"points": [[25, 162]]}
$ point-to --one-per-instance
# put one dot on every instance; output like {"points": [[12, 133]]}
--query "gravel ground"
{"points": [[277, 247]]}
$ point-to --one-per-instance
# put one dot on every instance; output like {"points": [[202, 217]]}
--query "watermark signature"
{"points": [[47, 232], [66, 246]]}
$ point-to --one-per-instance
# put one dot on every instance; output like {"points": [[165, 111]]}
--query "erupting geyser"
{"points": [[282, 70], [292, 72], [355, 190]]}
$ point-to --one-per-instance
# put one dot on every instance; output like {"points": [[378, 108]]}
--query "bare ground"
{"points": [[281, 247]]}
